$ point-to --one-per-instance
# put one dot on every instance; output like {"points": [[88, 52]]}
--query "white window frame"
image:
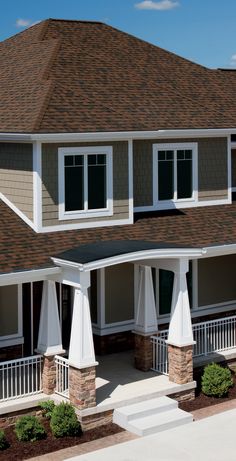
{"points": [[164, 204], [9, 338], [85, 151]]}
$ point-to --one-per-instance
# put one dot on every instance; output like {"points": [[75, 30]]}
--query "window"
{"points": [[85, 182], [174, 172]]}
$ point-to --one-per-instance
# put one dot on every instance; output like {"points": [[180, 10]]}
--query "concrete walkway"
{"points": [[210, 439]]}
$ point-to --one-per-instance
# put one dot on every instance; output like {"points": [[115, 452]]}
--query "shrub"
{"points": [[29, 428], [47, 408], [64, 421], [216, 380], [3, 441]]}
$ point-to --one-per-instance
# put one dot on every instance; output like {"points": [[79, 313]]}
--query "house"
{"points": [[118, 225]]}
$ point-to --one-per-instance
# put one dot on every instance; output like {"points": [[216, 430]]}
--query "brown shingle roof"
{"points": [[74, 76], [21, 248]]}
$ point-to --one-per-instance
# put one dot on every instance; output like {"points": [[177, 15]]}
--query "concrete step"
{"points": [[142, 409], [159, 422], [151, 416]]}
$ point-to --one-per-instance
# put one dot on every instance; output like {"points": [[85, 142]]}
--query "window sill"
{"points": [[85, 214], [6, 342]]}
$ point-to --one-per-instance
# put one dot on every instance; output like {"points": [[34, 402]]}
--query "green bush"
{"points": [[64, 421], [47, 408], [29, 428], [216, 380], [3, 441]]}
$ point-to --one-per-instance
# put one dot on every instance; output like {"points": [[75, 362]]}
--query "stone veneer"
{"points": [[49, 375], [142, 352], [82, 388], [180, 364]]}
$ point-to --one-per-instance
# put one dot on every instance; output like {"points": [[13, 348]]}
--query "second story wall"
{"points": [[211, 174], [16, 176]]}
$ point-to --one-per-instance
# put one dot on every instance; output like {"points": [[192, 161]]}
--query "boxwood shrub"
{"points": [[3, 441], [216, 380], [47, 408], [64, 421], [29, 428]]}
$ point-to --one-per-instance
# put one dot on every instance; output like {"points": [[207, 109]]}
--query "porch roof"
{"points": [[22, 249], [91, 252]]}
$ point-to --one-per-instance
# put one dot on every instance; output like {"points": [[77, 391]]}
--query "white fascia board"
{"points": [[132, 257], [14, 278], [219, 250], [116, 135]]}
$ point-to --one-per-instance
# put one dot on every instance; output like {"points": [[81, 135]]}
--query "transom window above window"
{"points": [[174, 172], [85, 181]]}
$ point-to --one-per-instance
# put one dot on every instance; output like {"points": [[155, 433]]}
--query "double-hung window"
{"points": [[174, 173], [85, 182]]}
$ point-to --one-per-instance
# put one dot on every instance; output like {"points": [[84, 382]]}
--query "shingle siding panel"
{"points": [[16, 175]]}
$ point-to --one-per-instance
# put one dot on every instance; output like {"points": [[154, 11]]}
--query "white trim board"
{"points": [[17, 211], [117, 135], [14, 278]]}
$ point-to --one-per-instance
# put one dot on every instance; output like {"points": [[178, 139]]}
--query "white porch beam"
{"points": [[81, 351], [49, 339], [180, 327], [146, 318]]}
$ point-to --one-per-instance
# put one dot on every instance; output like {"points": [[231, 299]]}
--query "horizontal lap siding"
{"points": [[50, 183], [16, 175], [212, 169], [216, 280]]}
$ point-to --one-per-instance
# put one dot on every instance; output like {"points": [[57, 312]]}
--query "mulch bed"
{"points": [[202, 401], [24, 450]]}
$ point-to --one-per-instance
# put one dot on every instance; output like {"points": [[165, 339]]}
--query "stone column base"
{"points": [[180, 364], [49, 375], [142, 352], [82, 388]]}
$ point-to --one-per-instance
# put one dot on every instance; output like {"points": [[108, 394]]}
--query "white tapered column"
{"points": [[81, 351], [82, 374], [180, 339], [49, 337], [180, 327], [146, 320]]}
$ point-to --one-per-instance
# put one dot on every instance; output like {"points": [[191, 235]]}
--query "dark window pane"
{"points": [[169, 155], [74, 188], [166, 280], [180, 154], [101, 159], [92, 159], [188, 154], [165, 180], [79, 160], [69, 160], [161, 155], [96, 187], [184, 179]]}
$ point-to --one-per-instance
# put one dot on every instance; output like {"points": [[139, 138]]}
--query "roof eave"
{"points": [[116, 135]]}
